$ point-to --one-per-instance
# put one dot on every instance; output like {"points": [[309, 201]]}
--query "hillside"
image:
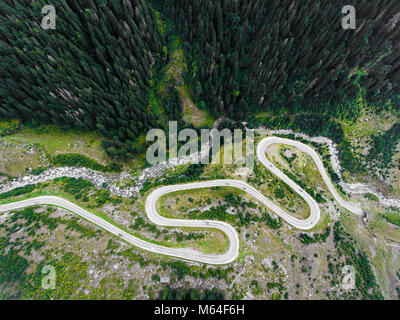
{"points": [[92, 72], [98, 69], [77, 102]]}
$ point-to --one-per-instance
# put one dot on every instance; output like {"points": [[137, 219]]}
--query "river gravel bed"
{"points": [[112, 180]]}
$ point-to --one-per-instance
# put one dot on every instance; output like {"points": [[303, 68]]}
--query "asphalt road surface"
{"points": [[190, 254]]}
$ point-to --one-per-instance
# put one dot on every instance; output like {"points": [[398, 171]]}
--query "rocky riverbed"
{"points": [[113, 181], [355, 188]]}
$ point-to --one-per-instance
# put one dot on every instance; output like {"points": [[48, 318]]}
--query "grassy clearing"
{"points": [[191, 113], [53, 140], [302, 165], [172, 75], [15, 161], [9, 126], [370, 123], [217, 244], [393, 217], [215, 241], [275, 189], [361, 136], [323, 223], [176, 204]]}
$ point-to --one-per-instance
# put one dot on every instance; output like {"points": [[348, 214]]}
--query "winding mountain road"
{"points": [[193, 255]]}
